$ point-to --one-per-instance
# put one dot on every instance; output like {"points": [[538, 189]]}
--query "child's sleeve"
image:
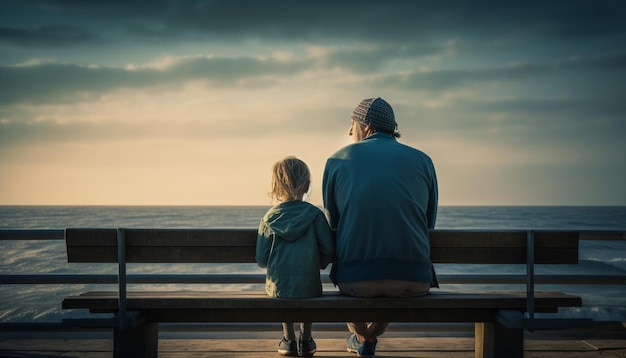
{"points": [[325, 240], [263, 245]]}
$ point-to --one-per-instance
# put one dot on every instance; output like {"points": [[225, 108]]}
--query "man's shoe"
{"points": [[362, 349], [287, 347], [306, 348]]}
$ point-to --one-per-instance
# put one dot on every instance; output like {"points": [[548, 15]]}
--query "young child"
{"points": [[294, 242]]}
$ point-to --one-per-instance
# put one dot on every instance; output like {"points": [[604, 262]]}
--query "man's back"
{"points": [[381, 196]]}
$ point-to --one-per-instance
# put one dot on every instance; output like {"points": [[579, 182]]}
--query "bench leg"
{"points": [[136, 341], [492, 340]]}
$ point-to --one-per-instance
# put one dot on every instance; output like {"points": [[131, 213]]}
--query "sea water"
{"points": [[41, 303]]}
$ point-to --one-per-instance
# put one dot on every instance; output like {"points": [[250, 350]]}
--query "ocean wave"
{"points": [[597, 313], [617, 264]]}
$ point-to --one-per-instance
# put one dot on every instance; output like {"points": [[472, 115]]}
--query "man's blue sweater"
{"points": [[381, 197]]}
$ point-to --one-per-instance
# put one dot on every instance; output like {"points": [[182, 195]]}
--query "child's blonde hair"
{"points": [[290, 179]]}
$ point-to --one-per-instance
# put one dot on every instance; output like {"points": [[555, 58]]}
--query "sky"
{"points": [[192, 102]]}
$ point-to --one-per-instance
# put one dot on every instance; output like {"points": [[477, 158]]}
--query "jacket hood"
{"points": [[291, 219]]}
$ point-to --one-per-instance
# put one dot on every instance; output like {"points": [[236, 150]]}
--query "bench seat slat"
{"points": [[107, 300], [445, 315], [258, 307]]}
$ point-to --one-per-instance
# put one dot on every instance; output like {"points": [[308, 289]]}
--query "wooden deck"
{"points": [[329, 345]]}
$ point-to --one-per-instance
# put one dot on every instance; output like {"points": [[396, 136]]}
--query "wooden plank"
{"points": [[502, 255], [90, 237], [162, 237], [236, 315], [259, 300], [557, 239], [490, 238], [602, 235], [333, 344], [247, 237], [477, 238], [191, 237], [171, 254], [449, 315], [238, 245], [87, 254], [192, 254]]}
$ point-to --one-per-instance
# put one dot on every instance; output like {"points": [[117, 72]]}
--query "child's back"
{"points": [[294, 242]]}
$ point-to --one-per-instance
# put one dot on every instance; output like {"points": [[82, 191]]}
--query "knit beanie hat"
{"points": [[375, 112]]}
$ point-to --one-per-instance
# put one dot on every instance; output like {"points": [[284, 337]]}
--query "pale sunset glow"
{"points": [[191, 102]]}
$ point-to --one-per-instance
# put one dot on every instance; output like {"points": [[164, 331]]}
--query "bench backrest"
{"points": [[238, 246]]}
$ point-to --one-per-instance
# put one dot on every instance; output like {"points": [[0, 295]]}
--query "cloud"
{"points": [[51, 82], [600, 61], [442, 80], [45, 36], [504, 99], [437, 80], [391, 21]]}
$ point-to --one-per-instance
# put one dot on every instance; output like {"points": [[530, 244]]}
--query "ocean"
{"points": [[42, 303]]}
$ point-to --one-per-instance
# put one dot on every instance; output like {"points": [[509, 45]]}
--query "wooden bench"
{"points": [[500, 318]]}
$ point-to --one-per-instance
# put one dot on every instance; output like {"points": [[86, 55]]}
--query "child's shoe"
{"points": [[287, 347], [306, 348]]}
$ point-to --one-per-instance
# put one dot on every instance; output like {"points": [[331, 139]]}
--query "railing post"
{"points": [[530, 274], [121, 278]]}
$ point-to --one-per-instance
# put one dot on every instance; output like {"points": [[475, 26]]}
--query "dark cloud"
{"points": [[579, 122], [440, 80], [606, 61], [323, 21], [47, 82], [572, 69], [56, 82], [52, 82], [46, 36], [372, 58]]}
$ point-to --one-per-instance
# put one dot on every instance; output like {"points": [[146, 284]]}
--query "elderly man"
{"points": [[381, 198]]}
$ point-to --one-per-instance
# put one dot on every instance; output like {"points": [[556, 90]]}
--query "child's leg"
{"points": [[288, 331], [305, 330], [306, 344]]}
